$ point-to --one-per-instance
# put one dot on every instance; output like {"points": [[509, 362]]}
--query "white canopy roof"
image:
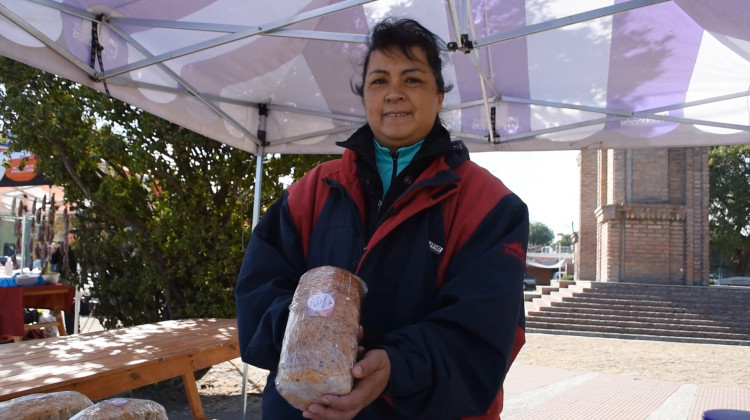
{"points": [[555, 74]]}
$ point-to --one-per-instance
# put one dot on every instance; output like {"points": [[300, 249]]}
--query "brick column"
{"points": [[585, 238], [696, 229], [651, 215]]}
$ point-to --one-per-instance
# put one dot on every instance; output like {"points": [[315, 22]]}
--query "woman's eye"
{"points": [[377, 81], [413, 80]]}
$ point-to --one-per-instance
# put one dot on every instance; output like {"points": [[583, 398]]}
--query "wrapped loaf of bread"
{"points": [[49, 406], [320, 341], [123, 409]]}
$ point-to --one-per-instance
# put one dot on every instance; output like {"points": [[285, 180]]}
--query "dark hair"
{"points": [[405, 34]]}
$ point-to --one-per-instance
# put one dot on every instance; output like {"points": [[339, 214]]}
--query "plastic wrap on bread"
{"points": [[320, 341], [45, 406], [123, 409]]}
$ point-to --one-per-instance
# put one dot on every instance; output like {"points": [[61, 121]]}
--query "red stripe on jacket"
{"points": [[312, 189], [467, 218]]}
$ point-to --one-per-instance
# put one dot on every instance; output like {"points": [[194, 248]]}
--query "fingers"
{"points": [[373, 361], [333, 408], [372, 374]]}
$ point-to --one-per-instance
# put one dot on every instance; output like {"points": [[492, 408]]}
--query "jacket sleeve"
{"points": [[453, 363], [270, 272]]}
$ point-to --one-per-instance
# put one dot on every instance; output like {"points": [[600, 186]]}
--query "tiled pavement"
{"points": [[546, 393]]}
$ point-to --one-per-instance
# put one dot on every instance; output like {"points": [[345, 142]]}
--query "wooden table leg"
{"points": [[191, 388], [60, 323]]}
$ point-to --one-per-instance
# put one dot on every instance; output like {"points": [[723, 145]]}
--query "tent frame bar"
{"points": [[201, 46], [614, 115], [565, 21], [121, 81], [229, 29], [41, 37], [231, 37], [185, 84]]}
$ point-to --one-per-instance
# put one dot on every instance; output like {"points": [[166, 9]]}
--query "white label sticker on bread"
{"points": [[320, 304]]}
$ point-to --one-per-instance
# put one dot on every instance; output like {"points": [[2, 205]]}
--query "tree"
{"points": [[540, 234], [729, 208], [162, 214]]}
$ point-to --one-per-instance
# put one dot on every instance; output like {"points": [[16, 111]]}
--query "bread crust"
{"points": [[320, 341]]}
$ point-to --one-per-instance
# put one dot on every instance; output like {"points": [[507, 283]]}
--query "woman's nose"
{"points": [[395, 93]]}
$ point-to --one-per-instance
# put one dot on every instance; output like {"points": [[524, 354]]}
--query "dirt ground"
{"points": [[700, 364]]}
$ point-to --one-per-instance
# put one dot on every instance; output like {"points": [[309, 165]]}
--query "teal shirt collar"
{"points": [[385, 161]]}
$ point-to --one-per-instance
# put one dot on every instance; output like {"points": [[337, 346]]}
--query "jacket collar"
{"points": [[437, 142]]}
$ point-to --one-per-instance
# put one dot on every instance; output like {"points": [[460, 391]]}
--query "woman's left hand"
{"points": [[371, 375]]}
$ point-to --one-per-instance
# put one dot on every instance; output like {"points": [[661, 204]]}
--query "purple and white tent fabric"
{"points": [[274, 77]]}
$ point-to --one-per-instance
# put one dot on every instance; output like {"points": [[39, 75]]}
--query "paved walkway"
{"points": [[538, 392], [549, 393], [534, 392]]}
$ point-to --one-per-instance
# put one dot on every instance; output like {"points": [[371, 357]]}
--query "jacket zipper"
{"points": [[353, 207], [394, 174]]}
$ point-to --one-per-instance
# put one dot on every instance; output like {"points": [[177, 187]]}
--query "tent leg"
{"points": [[258, 186], [256, 216], [244, 390], [77, 311]]}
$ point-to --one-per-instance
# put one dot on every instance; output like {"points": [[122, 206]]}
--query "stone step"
{"points": [[725, 312], [695, 313], [529, 296], [531, 324], [618, 305], [707, 307], [615, 299], [545, 290], [597, 311], [683, 298], [676, 324], [620, 335], [672, 291]]}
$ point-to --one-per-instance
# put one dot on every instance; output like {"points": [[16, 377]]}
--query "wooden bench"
{"points": [[102, 364]]}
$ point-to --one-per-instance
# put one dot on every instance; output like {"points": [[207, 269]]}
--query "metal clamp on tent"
{"points": [[96, 50], [466, 45], [493, 137], [262, 115]]}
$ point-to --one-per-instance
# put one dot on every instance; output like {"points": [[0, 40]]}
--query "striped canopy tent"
{"points": [[274, 77]]}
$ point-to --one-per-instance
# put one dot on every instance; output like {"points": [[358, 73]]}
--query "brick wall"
{"points": [[651, 216], [649, 180]]}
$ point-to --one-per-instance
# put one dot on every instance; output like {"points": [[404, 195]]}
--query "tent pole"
{"points": [[263, 113], [258, 186], [256, 212]]}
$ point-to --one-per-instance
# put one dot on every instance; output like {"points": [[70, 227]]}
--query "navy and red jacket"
{"points": [[443, 257]]}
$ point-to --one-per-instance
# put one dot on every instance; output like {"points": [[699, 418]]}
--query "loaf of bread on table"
{"points": [[320, 341], [123, 409], [49, 406]]}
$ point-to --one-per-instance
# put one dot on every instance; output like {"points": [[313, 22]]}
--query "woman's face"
{"points": [[401, 97]]}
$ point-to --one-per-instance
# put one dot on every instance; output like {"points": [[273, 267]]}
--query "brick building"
{"points": [[643, 216]]}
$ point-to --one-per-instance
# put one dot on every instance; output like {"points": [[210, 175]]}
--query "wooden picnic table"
{"points": [[55, 297], [105, 363]]}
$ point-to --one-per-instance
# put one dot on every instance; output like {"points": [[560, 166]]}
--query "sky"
{"points": [[548, 182]]}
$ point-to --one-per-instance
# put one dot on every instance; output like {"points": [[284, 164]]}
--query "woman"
{"points": [[439, 242]]}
